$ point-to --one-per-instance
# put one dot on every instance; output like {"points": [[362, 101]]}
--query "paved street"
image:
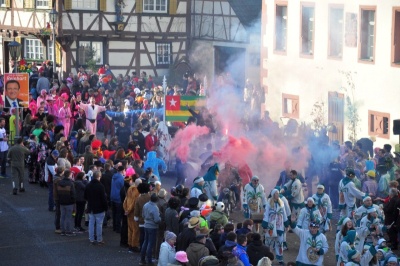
{"points": [[27, 234]]}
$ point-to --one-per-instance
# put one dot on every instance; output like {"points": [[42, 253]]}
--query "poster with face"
{"points": [[16, 90]]}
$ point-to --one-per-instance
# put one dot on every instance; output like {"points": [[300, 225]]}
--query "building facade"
{"points": [[142, 35], [341, 55]]}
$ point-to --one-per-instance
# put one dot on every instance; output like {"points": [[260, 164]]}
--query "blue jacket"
{"points": [[117, 183], [151, 215], [240, 252], [154, 162]]}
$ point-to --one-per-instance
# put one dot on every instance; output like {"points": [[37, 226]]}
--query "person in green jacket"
{"points": [[218, 216]]}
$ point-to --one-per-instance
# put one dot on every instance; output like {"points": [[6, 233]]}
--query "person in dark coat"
{"points": [[106, 180], [172, 216], [256, 250], [188, 234], [96, 207], [216, 235], [227, 229], [392, 216], [225, 251]]}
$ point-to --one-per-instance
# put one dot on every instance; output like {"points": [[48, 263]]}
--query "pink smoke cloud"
{"points": [[180, 144]]}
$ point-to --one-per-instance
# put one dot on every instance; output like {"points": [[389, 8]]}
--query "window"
{"points": [[396, 37], [378, 124], [33, 49], [280, 27], [335, 32], [50, 52], [2, 3], [90, 50], [85, 5], [163, 56], [307, 29], [290, 105], [42, 3], [367, 34], [155, 6]]}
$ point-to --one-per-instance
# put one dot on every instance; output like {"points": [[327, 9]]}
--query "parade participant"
{"points": [[350, 241], [133, 227], [154, 162], [254, 200], [64, 117], [313, 244], [274, 223], [293, 191], [346, 225], [310, 213], [210, 183], [348, 193], [370, 228], [197, 188], [95, 196], [324, 206], [92, 110], [355, 258], [362, 211]]}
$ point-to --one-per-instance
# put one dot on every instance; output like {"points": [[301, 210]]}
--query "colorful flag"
{"points": [[176, 107]]}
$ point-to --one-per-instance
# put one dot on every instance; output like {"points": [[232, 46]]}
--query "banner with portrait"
{"points": [[16, 90]]}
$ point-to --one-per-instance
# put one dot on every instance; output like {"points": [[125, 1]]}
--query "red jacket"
{"points": [[150, 142]]}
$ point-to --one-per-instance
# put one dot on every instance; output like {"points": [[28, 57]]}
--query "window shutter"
{"points": [[67, 4], [29, 4], [139, 6], [8, 3], [51, 4], [58, 53], [173, 6], [103, 5]]}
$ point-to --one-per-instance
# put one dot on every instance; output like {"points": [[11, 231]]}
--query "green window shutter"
{"points": [[173, 6], [103, 5], [67, 4], [139, 6], [29, 4], [8, 3]]}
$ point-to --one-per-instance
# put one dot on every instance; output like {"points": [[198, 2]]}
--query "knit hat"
{"points": [[320, 186], [345, 220], [382, 251], [130, 171], [381, 240], [157, 183], [162, 193], [198, 180], [392, 259], [371, 210], [274, 191], [255, 178], [352, 254], [55, 153], [311, 199], [193, 222], [366, 198], [181, 256], [169, 236], [220, 206], [371, 173], [195, 213]]}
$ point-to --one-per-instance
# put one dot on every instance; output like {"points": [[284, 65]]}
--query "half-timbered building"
{"points": [[142, 35]]}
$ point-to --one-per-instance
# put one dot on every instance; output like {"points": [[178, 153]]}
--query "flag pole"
{"points": [[164, 84]]}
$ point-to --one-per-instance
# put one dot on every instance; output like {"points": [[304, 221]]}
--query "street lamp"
{"points": [[53, 14], [15, 51]]}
